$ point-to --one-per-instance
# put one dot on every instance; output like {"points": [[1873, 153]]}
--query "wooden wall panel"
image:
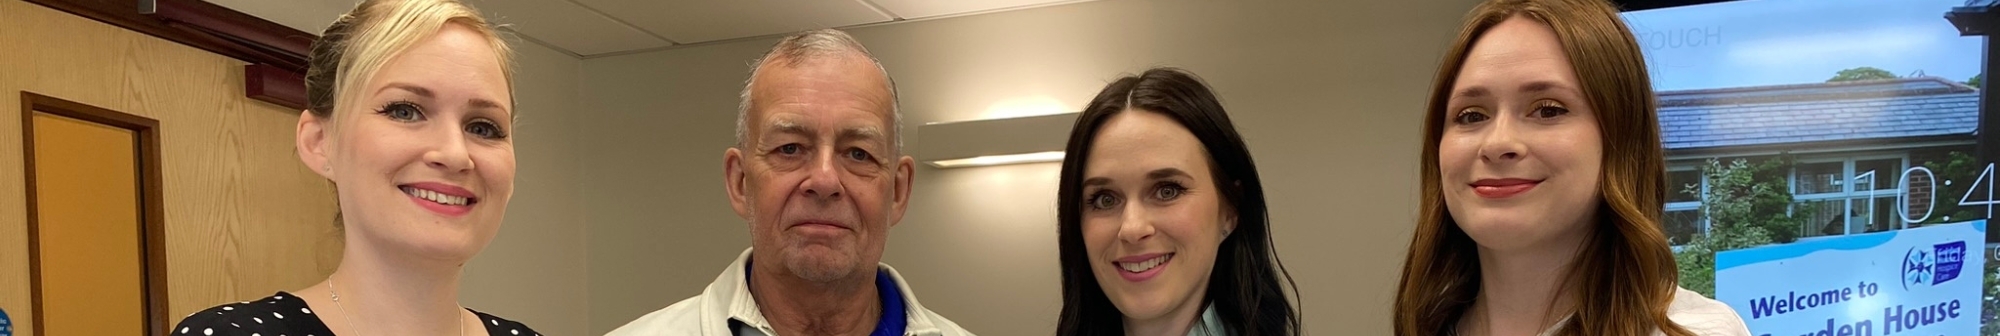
{"points": [[244, 218]]}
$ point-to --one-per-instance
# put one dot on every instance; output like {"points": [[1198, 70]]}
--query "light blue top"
{"points": [[1211, 325]]}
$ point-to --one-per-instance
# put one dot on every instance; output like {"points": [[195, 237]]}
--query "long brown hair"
{"points": [[1624, 275]]}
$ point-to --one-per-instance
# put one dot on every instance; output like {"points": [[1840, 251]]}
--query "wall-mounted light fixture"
{"points": [[994, 142]]}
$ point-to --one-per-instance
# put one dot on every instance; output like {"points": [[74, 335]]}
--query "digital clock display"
{"points": [[1826, 167]]}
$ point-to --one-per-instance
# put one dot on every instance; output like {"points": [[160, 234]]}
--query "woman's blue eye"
{"points": [[485, 130], [402, 111]]}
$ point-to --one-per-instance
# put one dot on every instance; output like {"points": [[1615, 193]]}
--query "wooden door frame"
{"points": [[152, 210]]}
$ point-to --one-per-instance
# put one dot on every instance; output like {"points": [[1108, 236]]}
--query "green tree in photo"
{"points": [[1990, 302], [1953, 179], [1976, 81], [1861, 73], [1747, 205]]}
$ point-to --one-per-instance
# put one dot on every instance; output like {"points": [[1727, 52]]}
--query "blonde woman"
{"points": [[410, 103]]}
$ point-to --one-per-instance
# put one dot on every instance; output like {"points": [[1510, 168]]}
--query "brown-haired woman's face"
{"points": [[1152, 216], [424, 165], [1520, 153]]}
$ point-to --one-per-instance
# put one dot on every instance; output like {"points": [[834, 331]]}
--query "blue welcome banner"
{"points": [[1919, 281]]}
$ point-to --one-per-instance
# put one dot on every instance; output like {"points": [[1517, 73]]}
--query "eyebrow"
{"points": [[478, 103], [1096, 181], [784, 126], [1156, 174], [418, 90], [1472, 92], [1163, 173], [1543, 86], [1530, 87], [475, 103], [863, 133]]}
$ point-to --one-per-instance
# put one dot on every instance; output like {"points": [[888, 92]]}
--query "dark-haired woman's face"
{"points": [[1520, 153], [1152, 216]]}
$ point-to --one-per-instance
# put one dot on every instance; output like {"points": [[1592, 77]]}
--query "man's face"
{"points": [[818, 176]]}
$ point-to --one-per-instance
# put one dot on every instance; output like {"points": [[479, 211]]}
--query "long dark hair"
{"points": [[1245, 287]]}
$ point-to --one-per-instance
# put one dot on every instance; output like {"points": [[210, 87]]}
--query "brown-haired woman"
{"points": [[409, 107], [1543, 184]]}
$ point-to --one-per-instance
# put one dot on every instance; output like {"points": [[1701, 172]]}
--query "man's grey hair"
{"points": [[796, 50]]}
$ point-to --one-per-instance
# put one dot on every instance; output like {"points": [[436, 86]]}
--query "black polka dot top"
{"points": [[286, 315]]}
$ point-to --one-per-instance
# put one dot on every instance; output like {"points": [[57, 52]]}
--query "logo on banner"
{"points": [[1933, 265]]}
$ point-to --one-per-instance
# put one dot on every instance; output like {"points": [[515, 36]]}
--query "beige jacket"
{"points": [[728, 299]]}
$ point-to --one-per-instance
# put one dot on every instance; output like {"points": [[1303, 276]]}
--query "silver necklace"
{"points": [[333, 291]]}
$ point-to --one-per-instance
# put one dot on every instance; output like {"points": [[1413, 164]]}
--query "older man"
{"points": [[819, 174]]}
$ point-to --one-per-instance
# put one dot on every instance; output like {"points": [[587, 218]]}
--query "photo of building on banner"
{"points": [[1827, 169]]}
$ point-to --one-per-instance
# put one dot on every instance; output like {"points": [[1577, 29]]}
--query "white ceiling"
{"points": [[588, 28]]}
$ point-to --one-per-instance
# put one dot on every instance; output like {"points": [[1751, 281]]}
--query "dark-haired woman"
{"points": [[1163, 228]]}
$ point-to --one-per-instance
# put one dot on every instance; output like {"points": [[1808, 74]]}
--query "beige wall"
{"points": [[1327, 94], [533, 271], [660, 228], [226, 240]]}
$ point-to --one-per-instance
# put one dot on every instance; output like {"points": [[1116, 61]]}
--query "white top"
{"points": [[727, 303], [1696, 313], [1704, 316], [1211, 325]]}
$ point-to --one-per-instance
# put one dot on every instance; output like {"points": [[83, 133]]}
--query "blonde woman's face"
{"points": [[424, 163], [1521, 153]]}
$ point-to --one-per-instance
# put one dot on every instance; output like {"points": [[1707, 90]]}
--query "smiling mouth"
{"points": [[437, 197], [1503, 188], [1145, 265]]}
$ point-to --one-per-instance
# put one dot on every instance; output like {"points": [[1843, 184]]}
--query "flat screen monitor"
{"points": [[1823, 163]]}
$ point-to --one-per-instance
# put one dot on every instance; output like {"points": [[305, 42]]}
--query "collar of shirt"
{"points": [[742, 308]]}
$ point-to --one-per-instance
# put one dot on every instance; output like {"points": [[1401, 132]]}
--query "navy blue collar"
{"points": [[894, 315]]}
